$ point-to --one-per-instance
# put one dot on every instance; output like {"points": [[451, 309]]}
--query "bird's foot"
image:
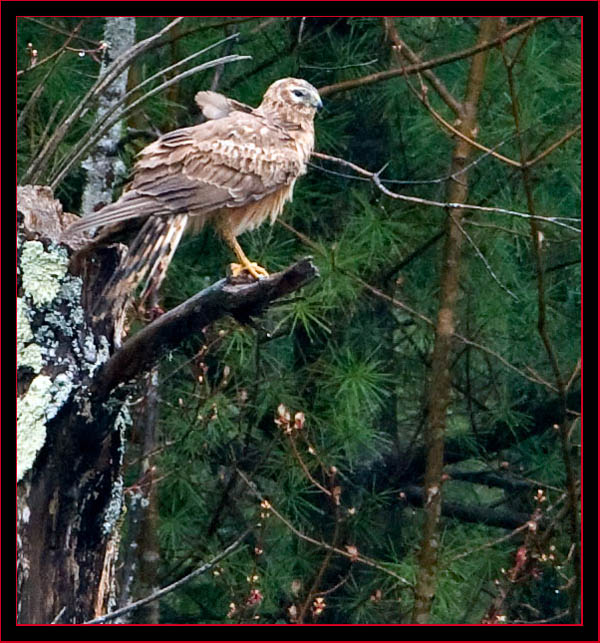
{"points": [[238, 270]]}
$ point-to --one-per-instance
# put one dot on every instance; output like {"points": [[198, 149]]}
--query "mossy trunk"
{"points": [[69, 447]]}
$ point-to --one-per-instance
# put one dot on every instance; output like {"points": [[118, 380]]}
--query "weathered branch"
{"points": [[379, 183], [38, 165], [491, 516], [221, 299]]}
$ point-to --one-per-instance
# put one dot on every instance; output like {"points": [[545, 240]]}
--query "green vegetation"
{"points": [[349, 358]]}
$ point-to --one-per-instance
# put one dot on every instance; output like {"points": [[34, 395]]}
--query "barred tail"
{"points": [[146, 261]]}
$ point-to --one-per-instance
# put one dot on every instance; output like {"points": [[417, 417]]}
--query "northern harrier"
{"points": [[233, 171]]}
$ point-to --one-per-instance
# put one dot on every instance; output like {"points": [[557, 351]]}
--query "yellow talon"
{"points": [[237, 269]]}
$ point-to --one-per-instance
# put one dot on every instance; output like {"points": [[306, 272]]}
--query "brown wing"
{"points": [[224, 163]]}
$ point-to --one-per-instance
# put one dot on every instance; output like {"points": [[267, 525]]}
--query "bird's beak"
{"points": [[316, 102]]}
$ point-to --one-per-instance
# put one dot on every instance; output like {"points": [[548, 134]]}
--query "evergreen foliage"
{"points": [[342, 353]]}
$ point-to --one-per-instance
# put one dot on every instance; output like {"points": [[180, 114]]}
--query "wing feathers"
{"points": [[237, 159], [215, 105]]}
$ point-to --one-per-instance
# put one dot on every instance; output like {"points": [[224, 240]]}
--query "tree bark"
{"points": [[440, 383], [103, 163], [71, 418]]}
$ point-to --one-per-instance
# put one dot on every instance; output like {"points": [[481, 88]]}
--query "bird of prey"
{"points": [[234, 171]]}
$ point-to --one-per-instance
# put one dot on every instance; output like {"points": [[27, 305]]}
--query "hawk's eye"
{"points": [[298, 92]]}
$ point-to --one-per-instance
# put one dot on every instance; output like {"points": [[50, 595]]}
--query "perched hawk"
{"points": [[233, 171]]}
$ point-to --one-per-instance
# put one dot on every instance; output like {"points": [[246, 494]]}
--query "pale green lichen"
{"points": [[29, 355], [42, 271], [101, 353], [114, 508], [24, 334], [31, 422]]}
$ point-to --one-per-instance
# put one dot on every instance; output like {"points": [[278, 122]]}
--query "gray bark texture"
{"points": [[103, 165], [72, 416], [69, 447]]}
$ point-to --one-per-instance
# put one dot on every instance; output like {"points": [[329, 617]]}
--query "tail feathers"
{"points": [[130, 206], [148, 259]]}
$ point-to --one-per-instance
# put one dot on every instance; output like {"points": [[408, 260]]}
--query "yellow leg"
{"points": [[245, 264]]}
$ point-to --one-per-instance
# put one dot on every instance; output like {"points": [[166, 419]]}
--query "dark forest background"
{"points": [[390, 468]]}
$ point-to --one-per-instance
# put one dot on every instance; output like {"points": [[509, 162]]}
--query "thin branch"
{"points": [[319, 543], [329, 90], [483, 259], [330, 68], [550, 619], [169, 588], [402, 49], [41, 86], [525, 526], [512, 367], [305, 468], [95, 43], [56, 619], [113, 71], [217, 25], [471, 141], [552, 147], [576, 372], [53, 55], [412, 199]]}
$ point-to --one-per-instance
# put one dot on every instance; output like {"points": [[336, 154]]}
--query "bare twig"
{"points": [[574, 375], [402, 49], [113, 71], [169, 588], [329, 90], [41, 86], [64, 32], [349, 66], [552, 147], [483, 259], [56, 619], [319, 543], [305, 468], [53, 55], [374, 177]]}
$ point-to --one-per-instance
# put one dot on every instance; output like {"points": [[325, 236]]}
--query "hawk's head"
{"points": [[295, 93]]}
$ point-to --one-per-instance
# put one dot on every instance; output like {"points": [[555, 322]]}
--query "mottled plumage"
{"points": [[233, 171]]}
